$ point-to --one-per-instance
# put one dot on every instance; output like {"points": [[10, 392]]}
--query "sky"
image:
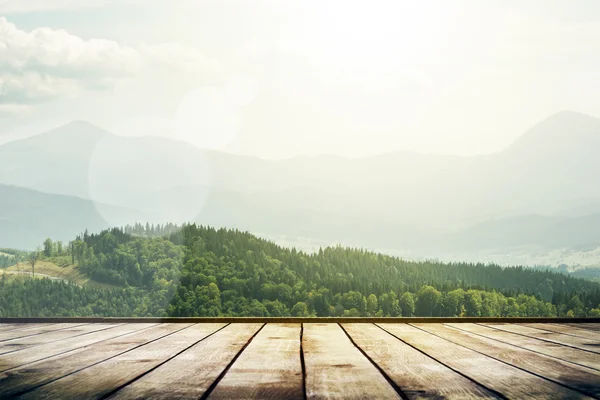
{"points": [[278, 79]]}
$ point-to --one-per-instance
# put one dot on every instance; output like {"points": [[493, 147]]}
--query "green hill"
{"points": [[200, 271]]}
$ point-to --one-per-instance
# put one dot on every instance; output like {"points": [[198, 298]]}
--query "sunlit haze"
{"points": [[280, 79]]}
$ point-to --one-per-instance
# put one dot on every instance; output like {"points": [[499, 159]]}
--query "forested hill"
{"points": [[199, 271]]}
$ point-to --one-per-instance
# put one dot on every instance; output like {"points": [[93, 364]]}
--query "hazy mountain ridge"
{"points": [[433, 204], [28, 216]]}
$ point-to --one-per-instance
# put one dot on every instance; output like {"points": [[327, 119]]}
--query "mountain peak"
{"points": [[569, 116], [565, 128], [74, 131], [82, 127]]}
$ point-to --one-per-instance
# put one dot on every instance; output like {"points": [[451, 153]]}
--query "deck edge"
{"points": [[514, 320]]}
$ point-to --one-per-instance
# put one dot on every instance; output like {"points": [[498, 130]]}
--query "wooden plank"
{"points": [[591, 327], [43, 351], [555, 350], [582, 379], [560, 338], [567, 330], [335, 368], [495, 375], [102, 379], [10, 327], [13, 345], [124, 337], [190, 374], [299, 320], [34, 330], [418, 375], [269, 367], [54, 348]]}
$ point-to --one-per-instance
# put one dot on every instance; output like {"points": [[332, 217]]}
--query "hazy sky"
{"points": [[282, 78]]}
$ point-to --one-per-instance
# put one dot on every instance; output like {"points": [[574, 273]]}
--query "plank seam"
{"points": [[494, 392], [584, 326], [101, 361], [17, 327], [513, 320], [509, 364], [521, 347], [228, 367], [112, 392], [42, 333], [302, 362], [381, 371], [545, 340], [77, 348], [549, 330], [58, 340]]}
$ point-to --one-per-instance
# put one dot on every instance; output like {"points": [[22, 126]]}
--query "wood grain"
{"points": [[564, 353], [122, 338], [27, 330], [591, 327], [191, 373], [568, 330], [43, 351], [269, 367], [581, 379], [10, 327], [418, 375], [495, 375], [299, 320], [335, 368], [101, 379], [13, 345], [560, 338]]}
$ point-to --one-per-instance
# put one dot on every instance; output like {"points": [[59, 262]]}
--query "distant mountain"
{"points": [[27, 217], [53, 162], [544, 232], [397, 200]]}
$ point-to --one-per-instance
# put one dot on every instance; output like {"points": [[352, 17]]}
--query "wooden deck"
{"points": [[296, 360]]}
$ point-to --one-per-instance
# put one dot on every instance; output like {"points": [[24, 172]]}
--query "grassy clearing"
{"points": [[49, 269]]}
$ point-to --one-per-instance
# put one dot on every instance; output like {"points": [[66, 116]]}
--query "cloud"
{"points": [[13, 109], [45, 63], [26, 6]]}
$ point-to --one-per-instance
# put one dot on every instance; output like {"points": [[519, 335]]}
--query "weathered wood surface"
{"points": [[58, 347], [27, 330], [416, 374], [190, 374], [580, 379], [335, 368], [13, 345], [493, 374], [556, 350], [269, 367], [299, 320], [16, 326], [102, 379], [587, 344], [101, 346], [567, 330], [588, 326], [299, 360]]}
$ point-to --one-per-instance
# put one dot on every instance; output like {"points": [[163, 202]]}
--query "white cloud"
{"points": [[25, 6], [46, 63], [14, 109]]}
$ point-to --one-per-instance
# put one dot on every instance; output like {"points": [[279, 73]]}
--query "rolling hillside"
{"points": [[541, 191]]}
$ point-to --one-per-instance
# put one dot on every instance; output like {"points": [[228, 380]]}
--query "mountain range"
{"points": [[540, 192]]}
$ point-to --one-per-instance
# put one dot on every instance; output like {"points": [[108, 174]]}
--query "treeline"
{"points": [[25, 297], [201, 271], [10, 257]]}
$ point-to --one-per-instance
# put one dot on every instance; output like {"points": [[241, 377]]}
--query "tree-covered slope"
{"points": [[201, 271]]}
